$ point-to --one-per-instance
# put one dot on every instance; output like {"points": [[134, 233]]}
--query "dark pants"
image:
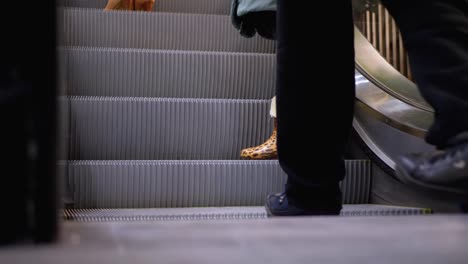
{"points": [[435, 33]]}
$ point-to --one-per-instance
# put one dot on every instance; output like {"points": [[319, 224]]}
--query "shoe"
{"points": [[120, 5], [267, 150], [278, 205], [445, 171]]}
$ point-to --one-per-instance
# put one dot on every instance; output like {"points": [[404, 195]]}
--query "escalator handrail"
{"points": [[377, 70]]}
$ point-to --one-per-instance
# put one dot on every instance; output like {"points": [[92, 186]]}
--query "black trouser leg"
{"points": [[313, 50], [435, 33]]}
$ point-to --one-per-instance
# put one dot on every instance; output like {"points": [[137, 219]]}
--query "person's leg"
{"points": [[312, 51], [435, 34], [144, 5]]}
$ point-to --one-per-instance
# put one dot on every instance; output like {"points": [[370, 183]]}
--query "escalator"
{"points": [[154, 109], [161, 103]]}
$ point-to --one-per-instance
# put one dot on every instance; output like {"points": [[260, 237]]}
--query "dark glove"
{"points": [[261, 22]]}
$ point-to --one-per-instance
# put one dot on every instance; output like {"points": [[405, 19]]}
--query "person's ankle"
{"points": [[326, 197]]}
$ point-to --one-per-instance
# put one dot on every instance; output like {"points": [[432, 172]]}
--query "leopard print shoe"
{"points": [[120, 5], [267, 150]]}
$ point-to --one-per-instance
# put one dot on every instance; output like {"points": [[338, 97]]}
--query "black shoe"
{"points": [[278, 205], [445, 171]]}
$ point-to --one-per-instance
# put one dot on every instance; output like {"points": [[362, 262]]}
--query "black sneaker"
{"points": [[445, 171], [278, 205]]}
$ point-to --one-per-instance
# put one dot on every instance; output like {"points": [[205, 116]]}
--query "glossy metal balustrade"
{"points": [[380, 29]]}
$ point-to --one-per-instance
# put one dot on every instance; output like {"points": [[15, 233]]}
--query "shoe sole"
{"points": [[406, 178]]}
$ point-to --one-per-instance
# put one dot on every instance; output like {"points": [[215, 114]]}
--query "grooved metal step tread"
{"points": [[219, 213], [137, 128], [146, 184], [175, 6], [168, 73], [150, 30]]}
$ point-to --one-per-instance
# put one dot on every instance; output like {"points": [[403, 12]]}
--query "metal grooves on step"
{"points": [[218, 213], [382, 210], [175, 6], [137, 128], [144, 184], [140, 184], [194, 6], [149, 30], [361, 186], [163, 73], [100, 4], [163, 214]]}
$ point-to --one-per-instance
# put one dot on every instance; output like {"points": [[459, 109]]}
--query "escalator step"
{"points": [[146, 184], [163, 73], [218, 213], [125, 128], [92, 27], [175, 6]]}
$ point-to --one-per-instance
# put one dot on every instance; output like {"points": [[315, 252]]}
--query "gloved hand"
{"points": [[254, 16]]}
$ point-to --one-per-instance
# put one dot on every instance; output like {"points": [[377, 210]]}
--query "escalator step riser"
{"points": [[124, 128], [175, 6], [145, 184], [168, 31], [173, 74]]}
